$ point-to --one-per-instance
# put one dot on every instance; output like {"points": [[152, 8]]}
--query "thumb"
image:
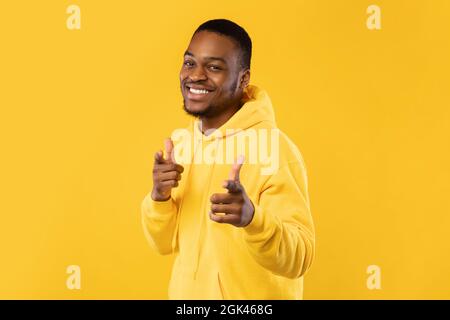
{"points": [[168, 143], [236, 168], [159, 157]]}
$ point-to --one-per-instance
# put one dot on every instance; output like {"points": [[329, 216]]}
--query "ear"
{"points": [[245, 79]]}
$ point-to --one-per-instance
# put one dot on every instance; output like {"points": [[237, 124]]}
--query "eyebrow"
{"points": [[187, 53]]}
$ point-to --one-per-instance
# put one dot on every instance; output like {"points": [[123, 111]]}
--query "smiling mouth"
{"points": [[197, 93]]}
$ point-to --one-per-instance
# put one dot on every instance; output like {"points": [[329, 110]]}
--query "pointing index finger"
{"points": [[168, 143], [236, 168]]}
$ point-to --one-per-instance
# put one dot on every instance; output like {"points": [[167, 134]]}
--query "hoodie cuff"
{"points": [[159, 208], [258, 223]]}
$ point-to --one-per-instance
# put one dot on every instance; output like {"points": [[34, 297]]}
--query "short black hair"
{"points": [[233, 30]]}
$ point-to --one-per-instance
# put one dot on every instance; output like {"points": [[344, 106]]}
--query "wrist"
{"points": [[251, 213], [158, 197]]}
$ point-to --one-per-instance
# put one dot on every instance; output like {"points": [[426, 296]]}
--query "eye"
{"points": [[214, 68], [188, 63]]}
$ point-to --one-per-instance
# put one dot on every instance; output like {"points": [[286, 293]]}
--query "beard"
{"points": [[207, 112]]}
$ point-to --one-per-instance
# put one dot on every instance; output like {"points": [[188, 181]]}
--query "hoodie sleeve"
{"points": [[159, 219], [280, 236]]}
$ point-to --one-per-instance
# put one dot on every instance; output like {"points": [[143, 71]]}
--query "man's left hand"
{"points": [[233, 207]]}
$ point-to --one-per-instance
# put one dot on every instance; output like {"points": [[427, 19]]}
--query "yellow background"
{"points": [[83, 111]]}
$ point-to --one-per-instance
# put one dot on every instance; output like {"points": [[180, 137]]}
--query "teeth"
{"points": [[198, 91]]}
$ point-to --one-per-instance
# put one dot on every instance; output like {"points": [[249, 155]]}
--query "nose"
{"points": [[197, 74]]}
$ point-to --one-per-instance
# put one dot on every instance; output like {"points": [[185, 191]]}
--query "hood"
{"points": [[256, 108]]}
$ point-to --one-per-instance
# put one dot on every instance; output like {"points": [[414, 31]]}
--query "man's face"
{"points": [[210, 74]]}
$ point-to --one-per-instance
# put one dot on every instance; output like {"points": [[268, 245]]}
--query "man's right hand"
{"points": [[166, 173]]}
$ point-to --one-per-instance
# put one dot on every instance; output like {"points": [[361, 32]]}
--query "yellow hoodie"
{"points": [[265, 259]]}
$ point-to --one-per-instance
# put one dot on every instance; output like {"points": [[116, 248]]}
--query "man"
{"points": [[250, 236]]}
